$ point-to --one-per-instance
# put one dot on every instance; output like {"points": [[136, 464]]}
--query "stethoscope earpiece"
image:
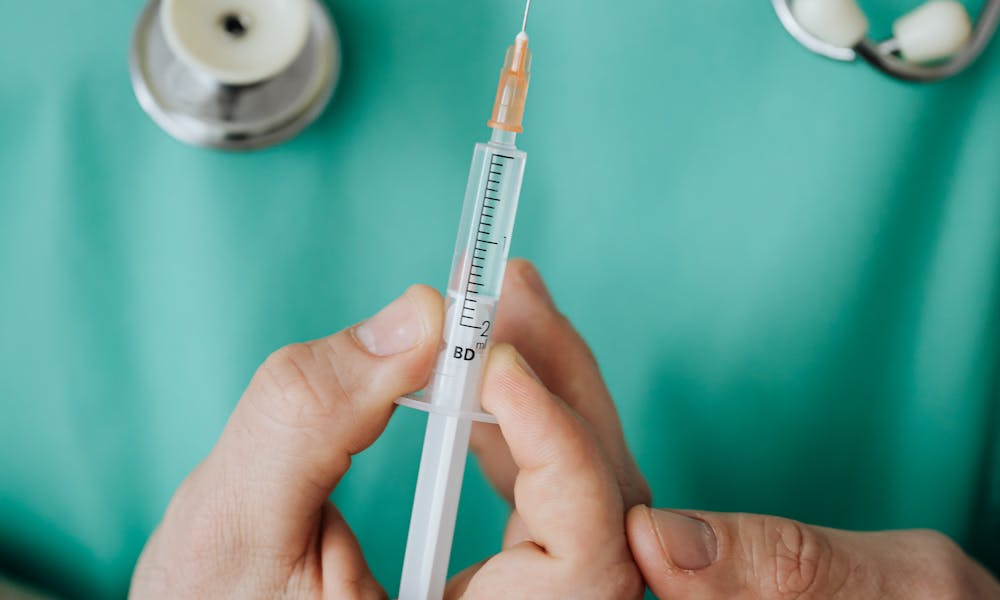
{"points": [[935, 41], [933, 31], [839, 23], [234, 74]]}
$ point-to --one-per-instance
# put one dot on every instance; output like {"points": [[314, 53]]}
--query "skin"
{"points": [[253, 520]]}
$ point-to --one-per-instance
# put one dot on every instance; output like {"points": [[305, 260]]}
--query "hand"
{"points": [[559, 456], [690, 554], [254, 519], [700, 555]]}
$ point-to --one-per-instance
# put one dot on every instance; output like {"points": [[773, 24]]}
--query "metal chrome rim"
{"points": [[884, 55], [197, 110], [784, 11]]}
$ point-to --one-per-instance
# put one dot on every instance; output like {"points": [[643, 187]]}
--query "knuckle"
{"points": [[937, 546], [944, 565], [797, 558], [304, 386], [287, 367]]}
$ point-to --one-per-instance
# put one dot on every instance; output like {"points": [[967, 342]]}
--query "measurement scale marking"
{"points": [[487, 213]]}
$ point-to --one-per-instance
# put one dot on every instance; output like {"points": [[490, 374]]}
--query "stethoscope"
{"points": [[935, 41], [234, 74], [245, 74]]}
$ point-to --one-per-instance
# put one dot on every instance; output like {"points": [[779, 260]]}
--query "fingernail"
{"points": [[688, 543], [395, 329], [533, 280]]}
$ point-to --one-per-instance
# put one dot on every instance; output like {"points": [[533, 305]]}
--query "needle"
{"points": [[524, 25]]}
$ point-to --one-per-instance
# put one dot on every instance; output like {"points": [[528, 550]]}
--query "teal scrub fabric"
{"points": [[788, 268]]}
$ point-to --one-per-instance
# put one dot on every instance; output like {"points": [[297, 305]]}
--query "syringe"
{"points": [[477, 272]]}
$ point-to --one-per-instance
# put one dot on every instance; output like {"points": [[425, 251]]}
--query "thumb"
{"points": [[689, 554], [309, 408], [697, 555]]}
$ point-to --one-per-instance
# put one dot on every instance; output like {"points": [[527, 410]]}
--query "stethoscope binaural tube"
{"points": [[934, 42]]}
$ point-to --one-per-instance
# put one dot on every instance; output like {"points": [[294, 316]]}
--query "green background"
{"points": [[788, 267]]}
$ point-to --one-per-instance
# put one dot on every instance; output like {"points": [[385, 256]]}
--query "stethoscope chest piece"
{"points": [[234, 74]]}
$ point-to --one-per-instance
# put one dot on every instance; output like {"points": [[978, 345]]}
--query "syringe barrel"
{"points": [[477, 272]]}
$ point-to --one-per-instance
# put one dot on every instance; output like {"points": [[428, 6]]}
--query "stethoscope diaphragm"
{"points": [[234, 74]]}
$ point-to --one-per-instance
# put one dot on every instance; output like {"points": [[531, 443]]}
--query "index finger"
{"points": [[529, 320], [307, 411], [566, 491]]}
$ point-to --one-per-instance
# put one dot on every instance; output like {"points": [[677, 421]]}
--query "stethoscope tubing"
{"points": [[882, 55]]}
